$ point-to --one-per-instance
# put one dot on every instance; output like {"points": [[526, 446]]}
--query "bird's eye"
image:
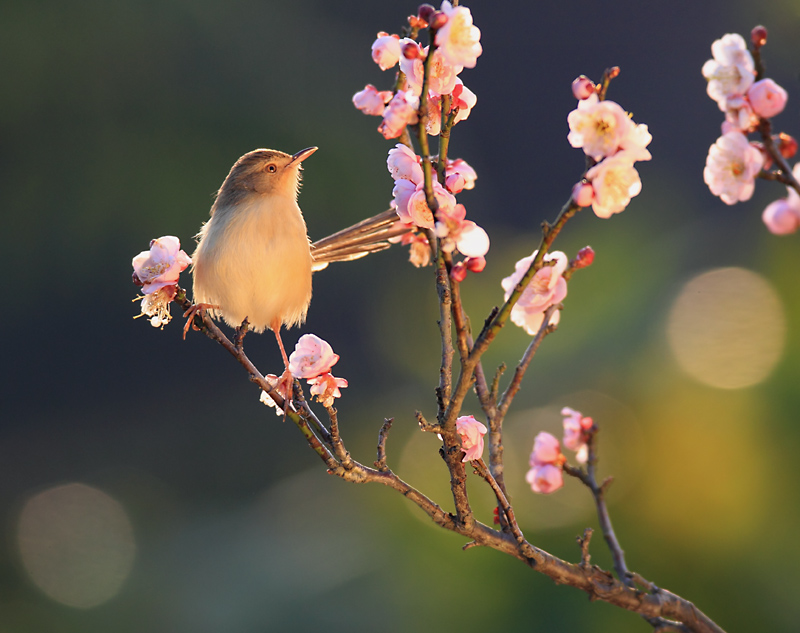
{"points": [[271, 168]]}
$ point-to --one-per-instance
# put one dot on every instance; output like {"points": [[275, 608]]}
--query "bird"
{"points": [[254, 259]]}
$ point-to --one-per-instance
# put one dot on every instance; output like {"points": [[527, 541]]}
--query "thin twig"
{"points": [[380, 463]]}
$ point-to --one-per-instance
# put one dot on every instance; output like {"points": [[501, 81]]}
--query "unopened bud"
{"points": [[476, 264], [582, 87], [455, 183], [583, 194], [437, 21], [613, 72], [411, 50], [787, 145], [458, 272], [425, 12], [584, 258], [758, 36], [417, 23], [137, 281]]}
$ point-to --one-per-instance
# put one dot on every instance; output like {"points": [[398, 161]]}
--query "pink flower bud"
{"points": [[459, 272], [425, 12], [411, 50], [781, 217], [767, 98], [438, 20], [546, 450], [471, 433], [455, 183], [787, 145], [758, 36], [584, 258], [583, 194], [582, 88], [476, 264]]}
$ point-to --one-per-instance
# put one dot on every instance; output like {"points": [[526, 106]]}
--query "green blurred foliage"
{"points": [[118, 121]]}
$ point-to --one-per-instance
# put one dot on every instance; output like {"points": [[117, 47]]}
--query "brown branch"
{"points": [[380, 463]]}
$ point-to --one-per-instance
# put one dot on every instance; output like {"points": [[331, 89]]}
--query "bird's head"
{"points": [[262, 172]]}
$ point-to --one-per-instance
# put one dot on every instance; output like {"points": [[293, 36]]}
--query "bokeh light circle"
{"points": [[727, 328], [76, 544]]}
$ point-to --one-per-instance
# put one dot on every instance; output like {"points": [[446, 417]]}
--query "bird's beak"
{"points": [[302, 155]]}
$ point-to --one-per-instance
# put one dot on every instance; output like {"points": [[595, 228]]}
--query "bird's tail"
{"points": [[368, 236]]}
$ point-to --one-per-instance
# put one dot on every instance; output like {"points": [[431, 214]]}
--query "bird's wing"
{"points": [[368, 236]]}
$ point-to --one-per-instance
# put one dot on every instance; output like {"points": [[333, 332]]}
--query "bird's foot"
{"points": [[192, 312], [285, 387]]}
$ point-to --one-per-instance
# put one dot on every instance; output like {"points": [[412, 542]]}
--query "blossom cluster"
{"points": [[456, 46], [733, 161], [608, 135], [157, 271], [547, 461]]}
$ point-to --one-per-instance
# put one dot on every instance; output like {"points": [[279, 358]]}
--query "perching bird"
{"points": [[254, 259]]}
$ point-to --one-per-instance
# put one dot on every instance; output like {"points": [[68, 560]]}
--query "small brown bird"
{"points": [[254, 259]]}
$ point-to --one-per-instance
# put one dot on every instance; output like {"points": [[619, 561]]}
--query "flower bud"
{"points": [[758, 36], [582, 194], [584, 258], [582, 87], [476, 264], [459, 272], [411, 50], [455, 183], [437, 21], [767, 98], [425, 12], [613, 72], [787, 145], [137, 281]]}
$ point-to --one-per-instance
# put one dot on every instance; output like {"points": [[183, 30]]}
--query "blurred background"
{"points": [[143, 487]]}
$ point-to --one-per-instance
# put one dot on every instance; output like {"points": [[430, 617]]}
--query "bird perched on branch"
{"points": [[254, 259]]}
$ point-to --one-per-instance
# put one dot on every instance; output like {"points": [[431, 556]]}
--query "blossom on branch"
{"points": [[767, 98], [459, 39], [162, 265], [456, 232], [598, 127], [547, 287], [371, 101], [546, 462], [311, 357], [731, 168], [471, 433], [782, 217], [326, 388], [404, 164], [401, 111], [386, 50], [576, 427], [732, 70], [442, 74], [614, 182]]}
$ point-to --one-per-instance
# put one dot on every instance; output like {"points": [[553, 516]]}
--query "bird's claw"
{"points": [[192, 312]]}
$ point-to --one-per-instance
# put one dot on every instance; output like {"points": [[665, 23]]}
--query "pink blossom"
{"points": [[598, 127], [546, 450], [419, 249], [545, 479], [635, 142], [471, 432], [463, 99], [311, 357], [458, 233], [371, 101], [442, 77], [582, 88], [402, 192], [614, 181], [266, 399], [731, 168], [326, 388], [575, 428], [475, 264], [782, 217], [459, 39], [461, 168], [547, 287], [458, 272], [731, 71], [156, 305], [767, 98], [401, 111], [386, 50], [404, 164], [162, 265], [414, 209], [739, 115], [582, 194]]}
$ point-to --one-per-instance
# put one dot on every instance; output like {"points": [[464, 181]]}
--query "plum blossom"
{"points": [[386, 50], [546, 463], [471, 432], [401, 111], [412, 206], [767, 98], [265, 398], [731, 168], [731, 71], [311, 357], [576, 425], [782, 217], [459, 39], [156, 306], [162, 265], [614, 182], [739, 115], [371, 101], [582, 194], [442, 75], [326, 387], [598, 127], [460, 168], [404, 164], [456, 232], [419, 253], [463, 99], [547, 287]]}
